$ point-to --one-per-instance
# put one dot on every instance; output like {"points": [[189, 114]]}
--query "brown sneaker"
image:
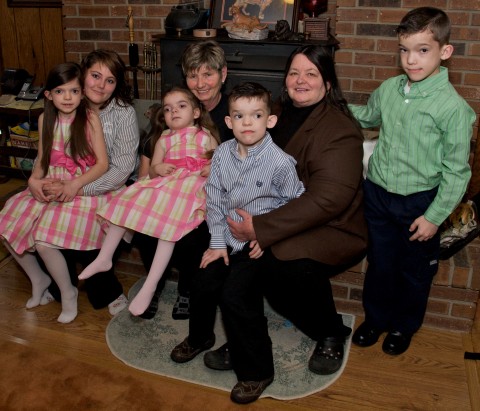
{"points": [[184, 352], [249, 391]]}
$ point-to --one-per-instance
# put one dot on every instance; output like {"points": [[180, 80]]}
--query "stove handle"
{"points": [[234, 58]]}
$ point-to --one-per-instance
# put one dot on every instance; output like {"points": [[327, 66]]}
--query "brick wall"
{"points": [[365, 28], [91, 24], [369, 48]]}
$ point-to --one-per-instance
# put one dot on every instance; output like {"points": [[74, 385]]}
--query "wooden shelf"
{"points": [[11, 115], [14, 172]]}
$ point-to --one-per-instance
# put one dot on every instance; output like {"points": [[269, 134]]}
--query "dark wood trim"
{"points": [[37, 4]]}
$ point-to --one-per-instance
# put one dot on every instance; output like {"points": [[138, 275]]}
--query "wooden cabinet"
{"points": [[31, 38], [13, 115], [262, 61]]}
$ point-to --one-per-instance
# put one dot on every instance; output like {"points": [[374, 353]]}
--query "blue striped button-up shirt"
{"points": [[264, 180]]}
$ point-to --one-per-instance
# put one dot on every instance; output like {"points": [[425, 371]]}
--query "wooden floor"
{"points": [[431, 375]]}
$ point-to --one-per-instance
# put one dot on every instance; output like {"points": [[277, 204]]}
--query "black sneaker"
{"points": [[184, 352], [218, 359]]}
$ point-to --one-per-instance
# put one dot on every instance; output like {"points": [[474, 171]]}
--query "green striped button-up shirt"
{"points": [[424, 140]]}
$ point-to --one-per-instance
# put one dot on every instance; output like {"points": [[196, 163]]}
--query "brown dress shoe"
{"points": [[249, 391], [184, 352]]}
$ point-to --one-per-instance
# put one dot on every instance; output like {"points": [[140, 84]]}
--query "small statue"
{"points": [[242, 5], [241, 21], [283, 32]]}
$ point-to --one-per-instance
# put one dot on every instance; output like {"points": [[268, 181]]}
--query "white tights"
{"points": [[57, 267], [39, 279], [103, 262]]}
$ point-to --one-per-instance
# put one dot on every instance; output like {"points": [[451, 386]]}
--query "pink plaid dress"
{"points": [[24, 221], [167, 207]]}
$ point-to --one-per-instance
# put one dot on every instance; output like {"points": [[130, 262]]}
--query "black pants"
{"points": [[239, 283], [400, 271], [186, 256], [101, 288], [299, 290]]}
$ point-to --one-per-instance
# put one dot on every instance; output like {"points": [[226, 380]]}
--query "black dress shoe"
{"points": [[219, 359], [249, 391], [327, 358], [365, 336], [396, 343]]}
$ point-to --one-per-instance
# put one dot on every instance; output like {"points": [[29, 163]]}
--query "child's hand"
{"points": [[256, 251], [164, 169], [69, 191], [205, 171], [35, 186], [425, 230], [213, 254]]}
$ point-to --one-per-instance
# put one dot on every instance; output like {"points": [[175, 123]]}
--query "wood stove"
{"points": [[262, 61]]}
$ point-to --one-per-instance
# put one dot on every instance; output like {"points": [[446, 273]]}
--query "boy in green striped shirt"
{"points": [[417, 175]]}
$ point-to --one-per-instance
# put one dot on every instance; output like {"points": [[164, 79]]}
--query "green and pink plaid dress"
{"points": [[166, 207], [25, 221]]}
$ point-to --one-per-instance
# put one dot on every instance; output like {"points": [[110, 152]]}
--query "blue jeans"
{"points": [[400, 271]]}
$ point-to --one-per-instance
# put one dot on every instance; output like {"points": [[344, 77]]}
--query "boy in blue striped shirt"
{"points": [[417, 175], [251, 173]]}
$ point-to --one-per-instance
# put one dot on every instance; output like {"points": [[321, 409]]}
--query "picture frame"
{"points": [[268, 11]]}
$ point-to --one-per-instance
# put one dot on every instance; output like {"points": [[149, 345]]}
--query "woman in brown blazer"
{"points": [[309, 239], [305, 242]]}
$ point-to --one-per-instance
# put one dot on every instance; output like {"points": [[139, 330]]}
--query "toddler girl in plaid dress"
{"points": [[170, 202], [71, 148]]}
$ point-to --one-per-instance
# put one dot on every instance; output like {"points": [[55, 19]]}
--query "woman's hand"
{"points": [[53, 189], [242, 230], [424, 229], [213, 254], [69, 191]]}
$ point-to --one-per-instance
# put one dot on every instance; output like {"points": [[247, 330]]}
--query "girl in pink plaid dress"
{"points": [[171, 201], [71, 148]]}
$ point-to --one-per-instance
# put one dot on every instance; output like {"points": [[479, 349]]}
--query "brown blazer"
{"points": [[326, 223]]}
